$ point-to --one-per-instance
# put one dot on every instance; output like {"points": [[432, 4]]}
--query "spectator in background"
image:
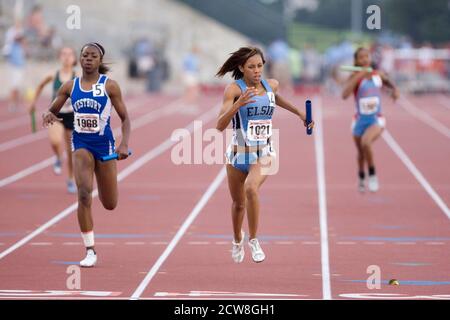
{"points": [[296, 65], [279, 58], [190, 76], [387, 59], [36, 27], [14, 51], [312, 64]]}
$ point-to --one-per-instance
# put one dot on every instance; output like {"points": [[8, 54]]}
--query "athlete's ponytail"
{"points": [[237, 59], [103, 68]]}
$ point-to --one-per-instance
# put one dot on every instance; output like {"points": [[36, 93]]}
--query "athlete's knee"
{"points": [[238, 205], [110, 204], [84, 196], [365, 144], [360, 155], [251, 190]]}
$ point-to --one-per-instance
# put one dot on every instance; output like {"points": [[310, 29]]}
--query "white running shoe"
{"points": [[71, 186], [373, 183], [90, 260], [237, 252], [257, 253], [361, 185], [57, 167]]}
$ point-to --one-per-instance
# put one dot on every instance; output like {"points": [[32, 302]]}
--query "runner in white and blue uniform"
{"points": [[249, 103], [368, 122], [92, 96], [92, 111], [252, 127]]}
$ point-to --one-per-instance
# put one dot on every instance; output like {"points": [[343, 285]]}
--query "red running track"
{"points": [[400, 229]]}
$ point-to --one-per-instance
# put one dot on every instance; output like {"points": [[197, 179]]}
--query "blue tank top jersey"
{"points": [[368, 96], [92, 111], [252, 123]]}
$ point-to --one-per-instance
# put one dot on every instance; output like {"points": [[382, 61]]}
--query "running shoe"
{"points": [[57, 167], [257, 252], [90, 260], [361, 185], [237, 252], [71, 187], [373, 183]]}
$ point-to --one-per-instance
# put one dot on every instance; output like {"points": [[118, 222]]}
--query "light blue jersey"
{"points": [[252, 127], [252, 123]]}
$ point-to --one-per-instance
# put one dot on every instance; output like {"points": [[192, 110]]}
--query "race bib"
{"points": [[368, 105], [87, 123], [98, 90], [259, 130]]}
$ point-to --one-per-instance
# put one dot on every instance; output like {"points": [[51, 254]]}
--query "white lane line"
{"points": [[71, 243], [25, 119], [434, 243], [405, 243], [374, 243], [41, 134], [320, 165], [31, 137], [150, 155], [310, 242], [189, 220], [26, 172], [198, 242], [41, 243], [137, 123], [223, 294], [443, 101], [13, 123], [134, 243], [345, 243], [284, 242], [424, 117], [158, 243], [415, 172], [223, 242]]}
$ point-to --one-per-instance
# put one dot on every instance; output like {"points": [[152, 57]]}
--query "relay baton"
{"points": [[112, 156], [308, 117], [355, 68], [33, 121]]}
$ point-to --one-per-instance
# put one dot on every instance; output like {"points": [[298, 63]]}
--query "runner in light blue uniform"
{"points": [[252, 117], [249, 103], [92, 111]]}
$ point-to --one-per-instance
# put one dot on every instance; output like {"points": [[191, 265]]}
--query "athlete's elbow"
{"points": [[220, 127], [344, 95]]}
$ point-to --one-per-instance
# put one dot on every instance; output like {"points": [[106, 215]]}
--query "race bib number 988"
{"points": [[87, 123], [259, 130]]}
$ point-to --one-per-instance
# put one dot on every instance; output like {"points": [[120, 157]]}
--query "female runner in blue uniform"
{"points": [[249, 103], [368, 123], [92, 95]]}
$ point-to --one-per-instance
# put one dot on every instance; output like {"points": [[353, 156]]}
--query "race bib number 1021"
{"points": [[259, 130]]}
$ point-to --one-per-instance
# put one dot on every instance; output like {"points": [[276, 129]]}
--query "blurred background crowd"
{"points": [[177, 45]]}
